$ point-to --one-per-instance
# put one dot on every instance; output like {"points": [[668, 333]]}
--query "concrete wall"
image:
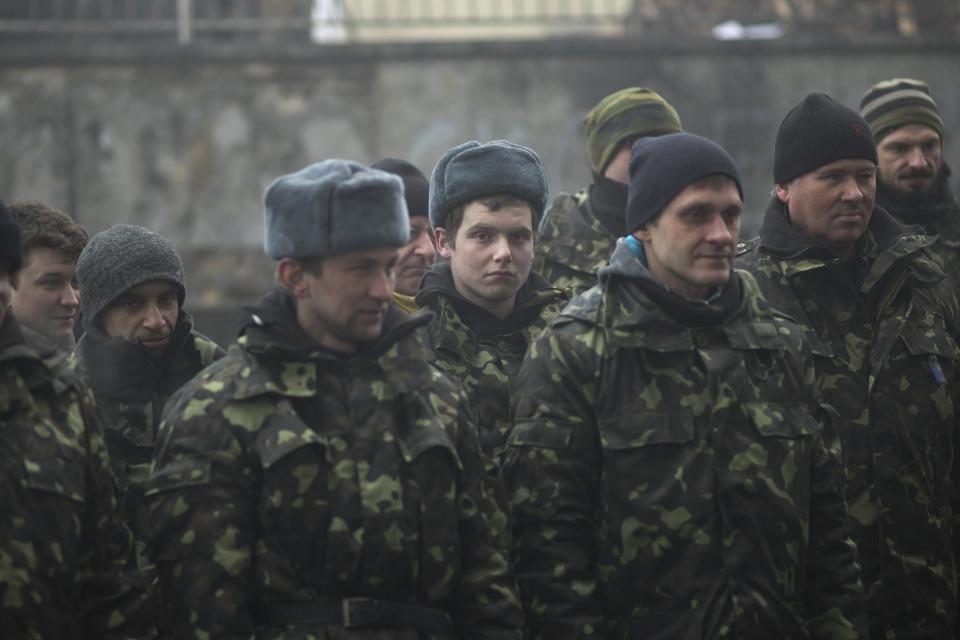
{"points": [[185, 140]]}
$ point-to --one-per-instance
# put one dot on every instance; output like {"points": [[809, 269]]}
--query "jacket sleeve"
{"points": [[199, 521], [113, 590], [551, 474], [834, 591]]}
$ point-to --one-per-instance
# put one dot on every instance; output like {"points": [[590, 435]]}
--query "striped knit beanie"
{"points": [[623, 116], [894, 103]]}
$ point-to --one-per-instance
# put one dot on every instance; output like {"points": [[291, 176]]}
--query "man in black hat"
{"points": [[669, 473], [881, 325]]}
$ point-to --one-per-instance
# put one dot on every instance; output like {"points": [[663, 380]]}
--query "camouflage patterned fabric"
{"points": [[66, 562], [572, 244], [672, 482], [941, 218], [883, 333], [130, 387], [285, 473], [487, 364]]}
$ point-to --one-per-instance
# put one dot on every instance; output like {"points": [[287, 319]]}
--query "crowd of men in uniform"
{"points": [[465, 414]]}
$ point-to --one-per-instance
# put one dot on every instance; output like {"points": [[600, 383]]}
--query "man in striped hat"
{"points": [[913, 181], [579, 232]]}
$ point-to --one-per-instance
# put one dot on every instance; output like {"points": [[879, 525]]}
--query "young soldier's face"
{"points": [[344, 299], [832, 205], [690, 245], [45, 298], [416, 256], [146, 313], [910, 157], [491, 255]]}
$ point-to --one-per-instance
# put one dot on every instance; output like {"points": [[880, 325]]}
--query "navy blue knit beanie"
{"points": [[663, 166]]}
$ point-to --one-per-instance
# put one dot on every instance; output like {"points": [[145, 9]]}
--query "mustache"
{"points": [[917, 173]]}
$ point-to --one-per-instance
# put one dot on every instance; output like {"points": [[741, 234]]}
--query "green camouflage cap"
{"points": [[623, 116], [893, 103]]}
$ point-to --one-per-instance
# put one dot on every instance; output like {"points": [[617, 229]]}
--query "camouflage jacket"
{"points": [[130, 387], [482, 351], [289, 474], [883, 333], [941, 219], [572, 244], [670, 480], [67, 565]]}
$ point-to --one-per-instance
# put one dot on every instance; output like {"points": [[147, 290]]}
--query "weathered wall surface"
{"points": [[184, 141]]}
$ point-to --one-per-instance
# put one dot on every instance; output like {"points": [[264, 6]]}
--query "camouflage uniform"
{"points": [[941, 219], [67, 567], [130, 387], [572, 244], [288, 478], [673, 480], [485, 359], [882, 330]]}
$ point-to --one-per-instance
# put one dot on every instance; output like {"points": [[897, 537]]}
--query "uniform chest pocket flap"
{"points": [[61, 474], [777, 420], [647, 429], [930, 342]]}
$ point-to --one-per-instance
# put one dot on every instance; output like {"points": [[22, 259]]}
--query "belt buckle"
{"points": [[361, 612]]}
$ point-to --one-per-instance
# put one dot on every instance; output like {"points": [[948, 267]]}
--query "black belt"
{"points": [[358, 612]]}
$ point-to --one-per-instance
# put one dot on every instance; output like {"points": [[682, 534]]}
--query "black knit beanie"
{"points": [[121, 258], [819, 131], [416, 187], [11, 252], [663, 166]]}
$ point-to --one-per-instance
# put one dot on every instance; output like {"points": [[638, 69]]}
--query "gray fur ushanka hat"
{"points": [[121, 258], [331, 208], [472, 170]]}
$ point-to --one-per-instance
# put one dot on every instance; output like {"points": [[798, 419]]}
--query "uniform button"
{"points": [[701, 340]]}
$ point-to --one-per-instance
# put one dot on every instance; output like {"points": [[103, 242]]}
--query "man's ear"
{"points": [[293, 277], [783, 193], [443, 247], [642, 233]]}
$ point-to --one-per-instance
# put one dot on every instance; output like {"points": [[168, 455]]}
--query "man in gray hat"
{"points": [[323, 478], [485, 200], [139, 345]]}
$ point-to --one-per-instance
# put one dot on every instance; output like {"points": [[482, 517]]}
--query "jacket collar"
{"points": [[286, 361], [437, 288], [885, 243]]}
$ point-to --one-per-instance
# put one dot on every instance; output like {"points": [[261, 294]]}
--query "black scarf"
{"points": [[120, 371], [608, 201], [692, 312]]}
